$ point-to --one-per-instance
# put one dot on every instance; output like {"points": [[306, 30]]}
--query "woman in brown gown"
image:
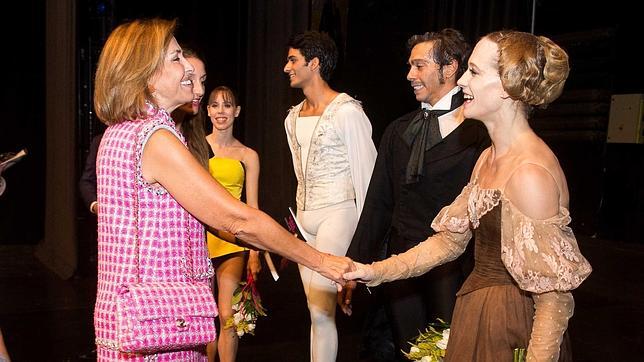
{"points": [[526, 257]]}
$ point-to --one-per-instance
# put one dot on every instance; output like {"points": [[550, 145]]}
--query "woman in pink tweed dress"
{"points": [[141, 77]]}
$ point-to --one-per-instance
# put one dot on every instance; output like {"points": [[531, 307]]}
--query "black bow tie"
{"points": [[422, 134]]}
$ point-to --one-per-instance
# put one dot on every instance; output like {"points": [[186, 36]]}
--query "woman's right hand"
{"points": [[363, 273], [333, 267]]}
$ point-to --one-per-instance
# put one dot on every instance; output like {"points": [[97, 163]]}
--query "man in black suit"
{"points": [[424, 160], [87, 182], [87, 185]]}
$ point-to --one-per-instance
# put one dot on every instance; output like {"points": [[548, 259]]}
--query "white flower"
{"points": [[236, 307], [251, 327], [414, 349], [446, 334], [249, 317], [426, 359], [238, 317], [442, 344], [240, 333]]}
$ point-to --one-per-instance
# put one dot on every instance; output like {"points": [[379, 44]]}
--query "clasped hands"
{"points": [[345, 273]]}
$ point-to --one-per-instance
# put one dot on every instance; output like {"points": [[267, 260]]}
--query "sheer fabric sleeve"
{"points": [[355, 130], [452, 225], [541, 255], [552, 312]]}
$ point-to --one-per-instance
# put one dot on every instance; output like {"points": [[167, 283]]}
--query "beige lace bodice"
{"points": [[540, 255]]}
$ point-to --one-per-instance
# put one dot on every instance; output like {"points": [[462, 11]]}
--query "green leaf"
{"points": [[236, 298]]}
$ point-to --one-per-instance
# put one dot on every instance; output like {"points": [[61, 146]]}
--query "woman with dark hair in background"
{"points": [[189, 117], [236, 168]]}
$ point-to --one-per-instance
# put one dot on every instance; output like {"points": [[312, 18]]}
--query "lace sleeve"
{"points": [[552, 312], [541, 255], [453, 233]]}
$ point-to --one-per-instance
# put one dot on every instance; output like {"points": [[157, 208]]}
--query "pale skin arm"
{"points": [[534, 191], [167, 161], [251, 160]]}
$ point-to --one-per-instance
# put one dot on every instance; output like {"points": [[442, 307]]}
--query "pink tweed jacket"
{"points": [[164, 230]]}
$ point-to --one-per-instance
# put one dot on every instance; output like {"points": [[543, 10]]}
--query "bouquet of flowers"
{"points": [[431, 345], [247, 306]]}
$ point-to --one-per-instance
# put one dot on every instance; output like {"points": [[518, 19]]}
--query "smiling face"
{"points": [[298, 69], [222, 110], [172, 85], [198, 86], [424, 74], [481, 84]]}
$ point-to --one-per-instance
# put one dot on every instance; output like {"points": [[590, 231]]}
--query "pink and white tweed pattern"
{"points": [[164, 316], [163, 230]]}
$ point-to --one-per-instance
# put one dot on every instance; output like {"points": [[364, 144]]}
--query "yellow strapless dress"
{"points": [[231, 174]]}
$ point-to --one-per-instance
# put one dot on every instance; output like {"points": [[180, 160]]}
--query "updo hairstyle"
{"points": [[533, 69]]}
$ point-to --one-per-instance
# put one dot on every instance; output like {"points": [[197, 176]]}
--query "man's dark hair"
{"points": [[313, 44], [449, 44]]}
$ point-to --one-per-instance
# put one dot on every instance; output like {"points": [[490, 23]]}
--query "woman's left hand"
{"points": [[363, 273]]}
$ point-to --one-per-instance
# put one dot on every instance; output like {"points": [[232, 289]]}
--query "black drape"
{"points": [[268, 97]]}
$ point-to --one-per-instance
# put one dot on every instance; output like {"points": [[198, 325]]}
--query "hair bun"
{"points": [[555, 70], [533, 69]]}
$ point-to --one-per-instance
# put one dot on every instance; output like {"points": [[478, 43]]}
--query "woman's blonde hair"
{"points": [[132, 54], [533, 69]]}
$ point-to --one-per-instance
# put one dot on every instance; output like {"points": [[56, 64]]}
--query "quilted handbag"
{"points": [[165, 316]]}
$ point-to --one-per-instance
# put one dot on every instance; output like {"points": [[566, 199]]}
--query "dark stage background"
{"points": [[51, 49], [243, 43]]}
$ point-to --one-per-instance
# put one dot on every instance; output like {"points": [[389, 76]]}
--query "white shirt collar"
{"points": [[443, 103]]}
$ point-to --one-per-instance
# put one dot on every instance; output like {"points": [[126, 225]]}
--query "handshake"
{"points": [[345, 273]]}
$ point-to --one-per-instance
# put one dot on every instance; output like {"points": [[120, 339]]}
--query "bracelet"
{"points": [[91, 207]]}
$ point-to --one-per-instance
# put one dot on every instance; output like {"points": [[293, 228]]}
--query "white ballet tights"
{"points": [[331, 229]]}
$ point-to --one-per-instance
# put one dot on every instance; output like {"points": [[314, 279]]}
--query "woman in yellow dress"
{"points": [[236, 167]]}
